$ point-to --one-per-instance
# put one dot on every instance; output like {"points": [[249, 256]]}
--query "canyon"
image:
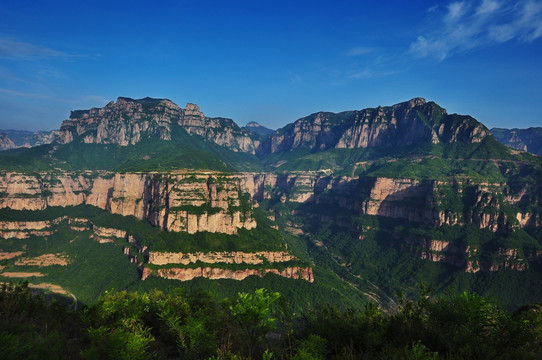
{"points": [[230, 202]]}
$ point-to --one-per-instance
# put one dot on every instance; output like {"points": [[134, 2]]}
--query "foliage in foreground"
{"points": [[257, 325]]}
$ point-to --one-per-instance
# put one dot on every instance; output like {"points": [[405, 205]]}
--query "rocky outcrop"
{"points": [[25, 229], [508, 259], [124, 122], [128, 121], [60, 259], [221, 131], [233, 257], [412, 122], [214, 273], [104, 232], [467, 257]]}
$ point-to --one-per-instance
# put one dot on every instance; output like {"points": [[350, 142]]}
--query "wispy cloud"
{"points": [[295, 78], [465, 26], [16, 49], [369, 73], [455, 11], [359, 50], [26, 94], [91, 100]]}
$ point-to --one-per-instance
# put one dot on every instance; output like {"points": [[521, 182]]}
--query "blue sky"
{"points": [[271, 61]]}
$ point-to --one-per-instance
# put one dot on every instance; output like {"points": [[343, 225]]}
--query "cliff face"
{"points": [[496, 207], [123, 122], [403, 124], [468, 258], [213, 202], [231, 257], [128, 121], [213, 273], [431, 202], [182, 202], [221, 131], [268, 263]]}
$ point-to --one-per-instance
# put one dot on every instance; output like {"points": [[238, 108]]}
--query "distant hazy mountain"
{"points": [[12, 139], [256, 128], [521, 139]]}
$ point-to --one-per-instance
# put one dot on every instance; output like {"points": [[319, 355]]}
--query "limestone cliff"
{"points": [[433, 202], [175, 202], [214, 273], [200, 201], [231, 257], [467, 257]]}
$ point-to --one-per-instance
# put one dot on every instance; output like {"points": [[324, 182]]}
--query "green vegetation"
{"points": [[259, 325], [184, 151]]}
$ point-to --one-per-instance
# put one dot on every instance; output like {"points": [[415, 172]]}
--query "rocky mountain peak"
{"points": [[127, 121], [408, 123], [193, 110], [417, 101]]}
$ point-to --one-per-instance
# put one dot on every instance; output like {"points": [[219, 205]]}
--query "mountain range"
{"points": [[350, 206], [521, 139]]}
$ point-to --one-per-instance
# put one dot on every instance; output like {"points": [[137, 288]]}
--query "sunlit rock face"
{"points": [[189, 202], [128, 121], [411, 122]]}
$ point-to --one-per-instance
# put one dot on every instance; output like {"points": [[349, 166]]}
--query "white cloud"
{"points": [[455, 11], [502, 33], [487, 7], [17, 49], [490, 22], [531, 20]]}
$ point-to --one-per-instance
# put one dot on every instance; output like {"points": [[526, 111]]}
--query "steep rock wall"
{"points": [[234, 257], [182, 202], [213, 273]]}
